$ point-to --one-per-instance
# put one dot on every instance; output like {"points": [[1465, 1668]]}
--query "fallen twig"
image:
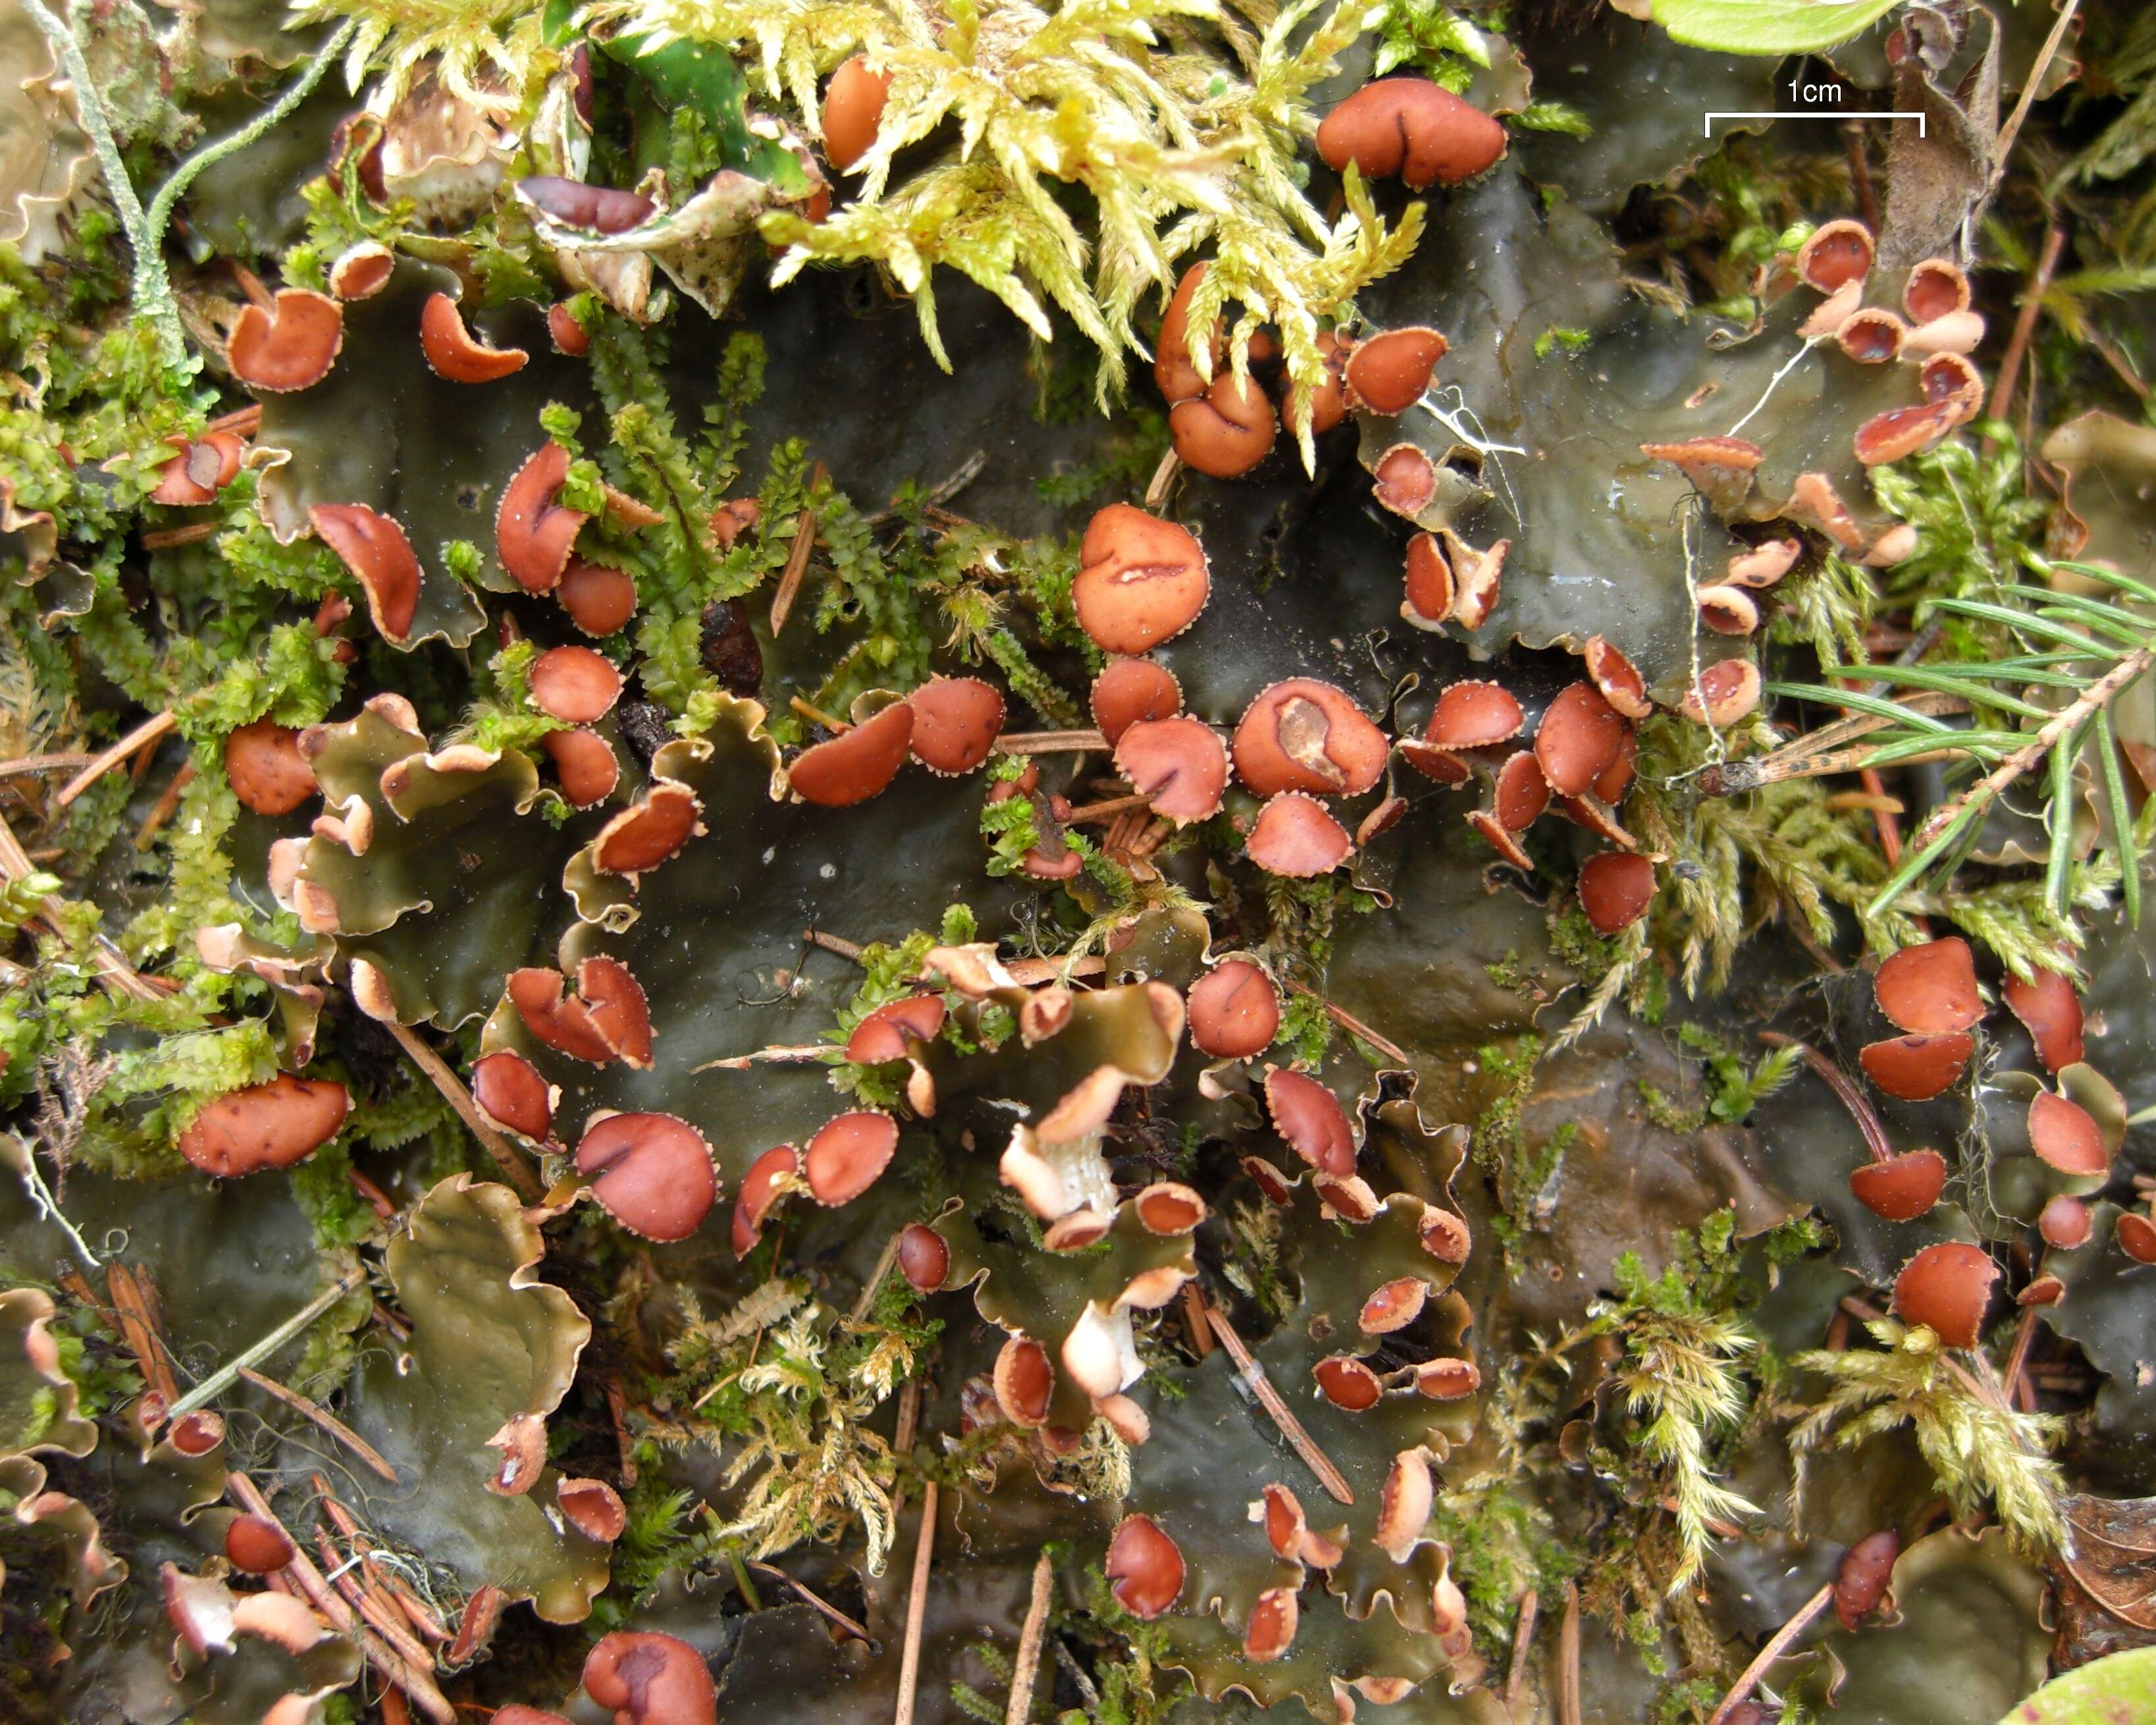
{"points": [[322, 1417], [1271, 1400], [917, 1608], [215, 1385], [796, 558], [1768, 1654], [513, 1166], [2024, 323], [1019, 1707], [149, 730]]}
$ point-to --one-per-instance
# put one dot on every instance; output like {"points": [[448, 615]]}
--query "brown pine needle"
{"points": [[2060, 726], [1020, 1707], [831, 1613], [1091, 814], [452, 1087], [322, 1417], [1523, 1637], [1567, 1659], [1050, 742], [797, 559], [1768, 1654], [165, 807], [817, 715], [1271, 1400], [917, 1608], [2025, 325], [149, 730], [1845, 1092], [1353, 1025], [832, 943]]}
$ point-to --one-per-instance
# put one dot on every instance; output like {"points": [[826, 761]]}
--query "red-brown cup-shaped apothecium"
{"points": [[1447, 1380], [603, 209], [1951, 378], [924, 1257], [1024, 1381], [2137, 1237], [454, 352], [1145, 1567], [1901, 1188], [271, 1125], [1227, 431], [2065, 1223], [1726, 691], [650, 1679], [374, 549], [593, 1508], [639, 839], [1902, 432], [1871, 337], [1474, 715], [1617, 679], [1521, 793], [1309, 1116], [1930, 989], [1141, 580], [1837, 254], [585, 763], [856, 764], [652, 1173], [607, 1019], [363, 271], [1615, 889], [569, 337], [1328, 402], [533, 534], [1179, 763], [1917, 1068], [759, 1191], [1393, 1306], [599, 600], [888, 1033], [1947, 1287], [1303, 735], [1405, 479], [574, 685], [257, 1545], [513, 1092], [1506, 844], [1862, 1582], [1347, 1384], [1129, 692], [516, 1714], [1430, 589], [1273, 1621], [1616, 779], [1234, 1011], [2066, 1136], [1762, 566], [1296, 838], [1169, 1207], [268, 773], [956, 722], [290, 347], [853, 109], [1172, 373], [1411, 127], [1389, 373], [1728, 610], [200, 471], [849, 1154], [1577, 739], [1935, 287]]}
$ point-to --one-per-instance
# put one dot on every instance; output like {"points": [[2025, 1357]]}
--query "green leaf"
{"points": [[1767, 26], [2123, 1686]]}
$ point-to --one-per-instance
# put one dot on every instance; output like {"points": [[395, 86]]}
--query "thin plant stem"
{"points": [[1768, 1654], [215, 1385]]}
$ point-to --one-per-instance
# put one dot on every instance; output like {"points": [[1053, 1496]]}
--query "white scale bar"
{"points": [[1817, 114]]}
